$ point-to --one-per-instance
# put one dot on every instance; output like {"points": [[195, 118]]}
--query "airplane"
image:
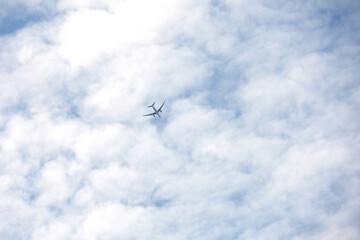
{"points": [[156, 111]]}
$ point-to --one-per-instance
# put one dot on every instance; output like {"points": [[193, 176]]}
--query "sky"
{"points": [[259, 136]]}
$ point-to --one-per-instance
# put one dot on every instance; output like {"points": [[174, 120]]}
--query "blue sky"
{"points": [[18, 14], [259, 137]]}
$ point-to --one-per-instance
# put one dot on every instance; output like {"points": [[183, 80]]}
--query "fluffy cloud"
{"points": [[259, 137]]}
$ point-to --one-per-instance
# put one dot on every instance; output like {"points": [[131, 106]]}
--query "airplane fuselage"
{"points": [[156, 112]]}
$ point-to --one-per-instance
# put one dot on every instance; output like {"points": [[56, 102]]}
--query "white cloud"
{"points": [[52, 184], [259, 135], [111, 221], [87, 33]]}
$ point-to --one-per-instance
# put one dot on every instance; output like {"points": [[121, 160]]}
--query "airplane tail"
{"points": [[152, 105]]}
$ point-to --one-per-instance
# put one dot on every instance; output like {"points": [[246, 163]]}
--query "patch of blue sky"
{"points": [[237, 197], [160, 123], [289, 225], [304, 227], [20, 107], [341, 26], [27, 193], [67, 103], [56, 210], [20, 16], [10, 232], [161, 203], [223, 81], [264, 218], [12, 23], [157, 201], [225, 74], [218, 7], [332, 198]]}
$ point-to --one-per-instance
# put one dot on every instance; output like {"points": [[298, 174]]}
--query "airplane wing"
{"points": [[161, 106], [150, 114]]}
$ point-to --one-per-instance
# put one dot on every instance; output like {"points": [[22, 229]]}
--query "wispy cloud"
{"points": [[259, 137]]}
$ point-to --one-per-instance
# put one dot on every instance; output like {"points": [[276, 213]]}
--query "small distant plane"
{"points": [[156, 111]]}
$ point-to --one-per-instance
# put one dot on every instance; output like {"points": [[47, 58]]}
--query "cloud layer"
{"points": [[259, 137]]}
